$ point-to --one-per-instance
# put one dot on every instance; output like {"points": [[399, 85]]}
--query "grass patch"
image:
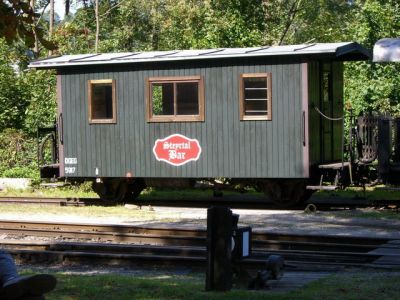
{"points": [[85, 191], [37, 210], [112, 286], [384, 214], [370, 193], [69, 191], [354, 286]]}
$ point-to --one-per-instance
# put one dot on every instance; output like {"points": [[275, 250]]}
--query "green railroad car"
{"points": [[254, 115]]}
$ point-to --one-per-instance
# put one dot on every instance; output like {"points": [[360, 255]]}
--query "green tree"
{"points": [[12, 105], [301, 21], [374, 86], [38, 88], [18, 19]]}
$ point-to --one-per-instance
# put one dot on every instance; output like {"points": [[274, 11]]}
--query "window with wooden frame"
{"points": [[175, 99], [102, 101], [255, 96]]}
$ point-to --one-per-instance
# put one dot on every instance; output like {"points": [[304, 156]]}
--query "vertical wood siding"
{"points": [[230, 147]]}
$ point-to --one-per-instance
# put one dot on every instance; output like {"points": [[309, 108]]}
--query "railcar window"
{"points": [[102, 107], [175, 99], [255, 96]]}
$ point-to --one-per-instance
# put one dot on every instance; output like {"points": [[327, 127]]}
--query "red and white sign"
{"points": [[177, 149]]}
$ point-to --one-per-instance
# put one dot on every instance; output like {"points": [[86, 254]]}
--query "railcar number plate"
{"points": [[70, 170], [70, 161]]}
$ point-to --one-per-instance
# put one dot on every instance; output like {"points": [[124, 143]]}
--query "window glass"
{"points": [[255, 102], [175, 99], [187, 98], [101, 101], [255, 96]]}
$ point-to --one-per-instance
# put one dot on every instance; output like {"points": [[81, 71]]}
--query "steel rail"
{"points": [[160, 242], [127, 255], [181, 236], [249, 202]]}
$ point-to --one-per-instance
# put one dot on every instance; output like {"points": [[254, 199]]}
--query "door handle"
{"points": [[61, 129], [304, 128]]}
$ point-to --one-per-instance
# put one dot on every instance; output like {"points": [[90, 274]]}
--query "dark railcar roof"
{"points": [[335, 51]]}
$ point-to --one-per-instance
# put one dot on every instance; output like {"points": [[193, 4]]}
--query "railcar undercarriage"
{"points": [[282, 192]]}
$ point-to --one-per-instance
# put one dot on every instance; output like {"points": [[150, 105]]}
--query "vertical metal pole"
{"points": [[219, 249], [396, 157], [384, 147], [351, 158]]}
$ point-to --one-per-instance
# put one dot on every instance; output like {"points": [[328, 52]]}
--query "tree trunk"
{"points": [[67, 5], [36, 46], [97, 25], [291, 15], [51, 23]]}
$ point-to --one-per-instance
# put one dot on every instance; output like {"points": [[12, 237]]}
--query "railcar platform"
{"points": [[335, 166], [333, 172]]}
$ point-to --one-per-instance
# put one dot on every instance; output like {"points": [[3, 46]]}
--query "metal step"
{"points": [[335, 166]]}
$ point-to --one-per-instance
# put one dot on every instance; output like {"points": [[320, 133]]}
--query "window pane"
{"points": [[255, 96], [187, 98], [163, 99], [175, 99], [255, 82], [102, 99], [255, 108]]}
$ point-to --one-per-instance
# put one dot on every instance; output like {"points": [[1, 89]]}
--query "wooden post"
{"points": [[219, 249]]}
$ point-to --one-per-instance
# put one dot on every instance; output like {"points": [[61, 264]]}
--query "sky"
{"points": [[59, 6]]}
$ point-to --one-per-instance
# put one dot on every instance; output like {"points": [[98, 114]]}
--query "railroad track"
{"points": [[237, 201], [133, 245], [52, 201]]}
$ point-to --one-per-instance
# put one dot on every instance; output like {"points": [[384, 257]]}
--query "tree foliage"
{"points": [[38, 89], [162, 25], [374, 86], [17, 153], [137, 25], [27, 97], [12, 105], [18, 19]]}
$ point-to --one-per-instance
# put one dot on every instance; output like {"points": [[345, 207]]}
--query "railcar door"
{"points": [[331, 105], [326, 105]]}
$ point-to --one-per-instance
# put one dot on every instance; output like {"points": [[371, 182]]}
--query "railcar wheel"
{"points": [[112, 190], [285, 193], [134, 189]]}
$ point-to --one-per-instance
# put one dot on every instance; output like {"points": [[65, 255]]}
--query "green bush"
{"points": [[21, 172], [18, 154], [12, 104]]}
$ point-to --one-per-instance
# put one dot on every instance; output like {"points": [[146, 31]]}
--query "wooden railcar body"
{"points": [[286, 145]]}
